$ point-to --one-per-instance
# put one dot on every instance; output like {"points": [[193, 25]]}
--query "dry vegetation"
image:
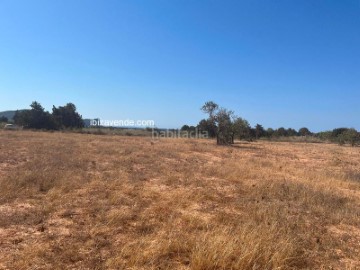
{"points": [[77, 201]]}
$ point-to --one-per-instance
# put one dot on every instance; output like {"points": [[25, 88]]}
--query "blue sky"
{"points": [[277, 63]]}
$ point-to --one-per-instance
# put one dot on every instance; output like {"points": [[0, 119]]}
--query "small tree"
{"points": [[224, 124], [350, 136], [207, 126], [242, 129], [221, 120], [185, 128], [291, 132], [304, 132], [338, 131], [225, 130], [280, 132], [269, 132], [259, 131]]}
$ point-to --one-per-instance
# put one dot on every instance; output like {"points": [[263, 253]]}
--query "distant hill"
{"points": [[8, 114]]}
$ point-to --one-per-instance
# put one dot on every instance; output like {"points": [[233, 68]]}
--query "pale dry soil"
{"points": [[76, 201]]}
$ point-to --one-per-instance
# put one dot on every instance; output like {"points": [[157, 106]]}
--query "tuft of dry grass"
{"points": [[82, 201]]}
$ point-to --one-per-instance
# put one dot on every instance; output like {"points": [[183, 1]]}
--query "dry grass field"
{"points": [[78, 201]]}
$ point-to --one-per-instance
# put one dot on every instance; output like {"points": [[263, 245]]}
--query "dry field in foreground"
{"points": [[76, 201]]}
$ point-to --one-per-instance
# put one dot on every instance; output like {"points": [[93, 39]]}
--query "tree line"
{"points": [[220, 123], [60, 118], [225, 126]]}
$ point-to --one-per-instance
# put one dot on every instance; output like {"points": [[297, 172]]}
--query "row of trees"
{"points": [[225, 126], [60, 117]]}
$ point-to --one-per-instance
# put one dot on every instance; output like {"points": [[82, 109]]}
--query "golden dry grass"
{"points": [[76, 201]]}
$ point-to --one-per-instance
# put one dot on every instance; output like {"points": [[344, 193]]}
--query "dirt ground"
{"points": [[79, 201]]}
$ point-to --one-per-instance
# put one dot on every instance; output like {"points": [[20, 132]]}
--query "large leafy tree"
{"points": [[36, 117], [67, 116]]}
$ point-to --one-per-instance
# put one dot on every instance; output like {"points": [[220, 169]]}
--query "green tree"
{"points": [[259, 131], [36, 117], [222, 120], [211, 108], [270, 132], [67, 116], [185, 128], [350, 136], [291, 132], [242, 129], [304, 132], [22, 117], [280, 132], [225, 130], [225, 124], [207, 126], [192, 128], [337, 131]]}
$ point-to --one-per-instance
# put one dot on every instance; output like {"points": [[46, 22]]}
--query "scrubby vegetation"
{"points": [[225, 126]]}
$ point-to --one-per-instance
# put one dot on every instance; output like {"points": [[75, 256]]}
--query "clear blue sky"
{"points": [[277, 63]]}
